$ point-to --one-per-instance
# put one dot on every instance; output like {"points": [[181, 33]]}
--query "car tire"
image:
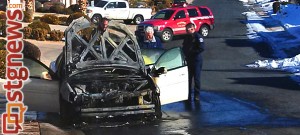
{"points": [[167, 35], [96, 18], [127, 21], [204, 31], [138, 19], [68, 114]]}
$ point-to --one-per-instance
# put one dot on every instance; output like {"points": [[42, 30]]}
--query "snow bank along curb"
{"points": [[288, 15], [258, 33], [278, 40]]}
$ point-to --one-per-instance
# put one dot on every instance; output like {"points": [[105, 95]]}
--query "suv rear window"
{"points": [[204, 11], [192, 12]]}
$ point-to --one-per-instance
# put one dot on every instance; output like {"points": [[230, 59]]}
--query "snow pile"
{"points": [[254, 26], [262, 1], [288, 14], [247, 0], [290, 18], [288, 64], [268, 6]]}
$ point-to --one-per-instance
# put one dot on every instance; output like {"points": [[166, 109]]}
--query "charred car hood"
{"points": [[87, 48]]}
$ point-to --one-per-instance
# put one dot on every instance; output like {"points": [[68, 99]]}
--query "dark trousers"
{"points": [[194, 69]]}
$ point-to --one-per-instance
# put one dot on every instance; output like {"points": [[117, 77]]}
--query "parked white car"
{"points": [[118, 10]]}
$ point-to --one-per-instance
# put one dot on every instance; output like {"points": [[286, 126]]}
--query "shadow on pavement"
{"points": [[276, 82], [262, 49]]}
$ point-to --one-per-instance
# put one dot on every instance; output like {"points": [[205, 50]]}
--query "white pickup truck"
{"points": [[118, 10]]}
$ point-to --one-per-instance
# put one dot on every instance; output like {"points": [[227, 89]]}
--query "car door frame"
{"points": [[168, 96], [179, 24], [110, 12], [122, 13]]}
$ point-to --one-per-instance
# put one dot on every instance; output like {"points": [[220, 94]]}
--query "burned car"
{"points": [[107, 76]]}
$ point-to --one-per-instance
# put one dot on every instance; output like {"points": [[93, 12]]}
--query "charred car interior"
{"points": [[105, 74]]}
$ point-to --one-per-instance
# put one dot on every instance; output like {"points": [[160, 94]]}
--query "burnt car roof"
{"points": [[118, 48]]}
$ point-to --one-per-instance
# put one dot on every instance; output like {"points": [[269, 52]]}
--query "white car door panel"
{"points": [[110, 10], [122, 11], [41, 93], [173, 85]]}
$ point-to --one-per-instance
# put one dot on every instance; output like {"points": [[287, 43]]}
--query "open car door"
{"points": [[41, 91], [173, 85]]}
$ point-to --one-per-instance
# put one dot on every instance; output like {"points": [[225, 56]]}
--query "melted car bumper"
{"points": [[118, 111]]}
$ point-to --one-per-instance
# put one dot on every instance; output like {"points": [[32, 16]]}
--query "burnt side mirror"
{"points": [[161, 70]]}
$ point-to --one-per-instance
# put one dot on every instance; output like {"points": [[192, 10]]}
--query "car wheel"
{"points": [[204, 30], [96, 19], [167, 35], [68, 113], [127, 21], [138, 19], [157, 104]]}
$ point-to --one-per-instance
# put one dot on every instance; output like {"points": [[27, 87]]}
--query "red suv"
{"points": [[172, 21]]}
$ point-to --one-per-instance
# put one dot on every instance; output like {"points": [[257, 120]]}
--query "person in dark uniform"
{"points": [[193, 46]]}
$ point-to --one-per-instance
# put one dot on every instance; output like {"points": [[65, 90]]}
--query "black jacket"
{"points": [[193, 45]]}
